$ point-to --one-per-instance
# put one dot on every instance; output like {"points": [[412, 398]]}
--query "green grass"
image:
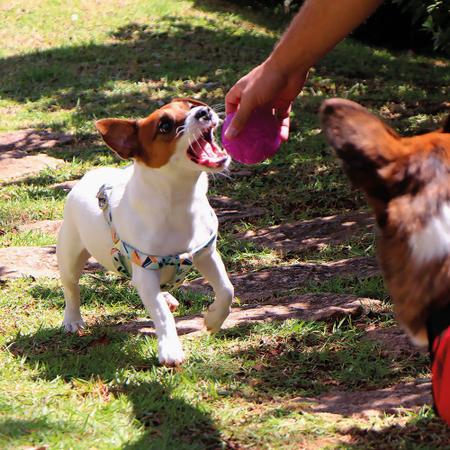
{"points": [[64, 64], [227, 376]]}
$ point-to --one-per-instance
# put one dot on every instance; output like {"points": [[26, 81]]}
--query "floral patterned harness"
{"points": [[123, 254]]}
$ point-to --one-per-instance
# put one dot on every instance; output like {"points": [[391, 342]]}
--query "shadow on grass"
{"points": [[159, 53], [161, 60], [173, 49], [306, 358], [426, 433], [105, 289], [169, 421], [316, 357], [285, 359], [13, 429]]}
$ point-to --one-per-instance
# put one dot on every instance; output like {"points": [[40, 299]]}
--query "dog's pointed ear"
{"points": [[446, 127], [356, 133], [121, 135]]}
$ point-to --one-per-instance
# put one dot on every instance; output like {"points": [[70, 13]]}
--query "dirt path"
{"points": [[16, 159]]}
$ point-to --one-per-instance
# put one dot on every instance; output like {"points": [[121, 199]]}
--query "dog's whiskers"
{"points": [[180, 130], [225, 174]]}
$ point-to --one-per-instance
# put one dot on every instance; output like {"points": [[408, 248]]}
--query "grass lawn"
{"points": [[63, 64]]}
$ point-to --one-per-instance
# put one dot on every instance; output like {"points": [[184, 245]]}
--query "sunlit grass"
{"points": [[63, 65]]}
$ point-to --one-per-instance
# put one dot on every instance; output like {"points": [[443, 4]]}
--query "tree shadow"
{"points": [[399, 31], [314, 358], [311, 358], [111, 289], [267, 14], [269, 283], [298, 237], [424, 433], [12, 429], [310, 362], [82, 74], [168, 421]]}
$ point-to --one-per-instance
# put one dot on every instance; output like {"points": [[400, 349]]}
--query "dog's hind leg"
{"points": [[72, 257]]}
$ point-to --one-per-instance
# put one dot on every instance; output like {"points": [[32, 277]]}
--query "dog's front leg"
{"points": [[210, 265], [169, 345]]}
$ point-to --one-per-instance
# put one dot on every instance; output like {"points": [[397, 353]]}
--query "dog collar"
{"points": [[438, 327], [124, 255]]}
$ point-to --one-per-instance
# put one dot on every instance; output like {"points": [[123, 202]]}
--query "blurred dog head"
{"points": [[407, 183]]}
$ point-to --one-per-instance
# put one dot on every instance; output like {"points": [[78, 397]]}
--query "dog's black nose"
{"points": [[203, 113]]}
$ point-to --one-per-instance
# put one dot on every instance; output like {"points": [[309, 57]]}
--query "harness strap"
{"points": [[124, 254]]}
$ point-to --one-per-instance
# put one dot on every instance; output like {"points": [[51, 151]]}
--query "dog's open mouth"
{"points": [[206, 152]]}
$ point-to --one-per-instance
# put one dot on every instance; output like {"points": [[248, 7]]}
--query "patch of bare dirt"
{"points": [[16, 262], [305, 307], [389, 400], [312, 234], [229, 210], [16, 162], [268, 283], [45, 226], [26, 140], [393, 341]]}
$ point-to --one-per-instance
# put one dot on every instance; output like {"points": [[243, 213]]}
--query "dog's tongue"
{"points": [[205, 147], [208, 153]]}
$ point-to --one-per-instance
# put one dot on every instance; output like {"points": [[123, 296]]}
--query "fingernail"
{"points": [[231, 133]]}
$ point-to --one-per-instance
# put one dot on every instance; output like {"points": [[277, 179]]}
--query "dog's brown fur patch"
{"points": [[406, 181], [142, 139]]}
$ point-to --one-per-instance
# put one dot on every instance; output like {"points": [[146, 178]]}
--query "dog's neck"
{"points": [[165, 185], [170, 203]]}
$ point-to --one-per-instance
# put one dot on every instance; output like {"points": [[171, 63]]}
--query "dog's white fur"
{"points": [[433, 241], [159, 211]]}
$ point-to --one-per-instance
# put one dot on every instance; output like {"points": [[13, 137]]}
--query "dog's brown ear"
{"points": [[121, 135], [356, 133]]}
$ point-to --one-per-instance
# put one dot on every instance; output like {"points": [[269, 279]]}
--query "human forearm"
{"points": [[316, 29]]}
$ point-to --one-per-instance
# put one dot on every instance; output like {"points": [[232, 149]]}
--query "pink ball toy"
{"points": [[260, 139]]}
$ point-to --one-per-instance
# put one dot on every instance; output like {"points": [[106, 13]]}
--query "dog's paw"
{"points": [[170, 353], [75, 326], [215, 317], [171, 301]]}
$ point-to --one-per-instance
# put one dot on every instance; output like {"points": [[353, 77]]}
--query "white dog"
{"points": [[151, 220]]}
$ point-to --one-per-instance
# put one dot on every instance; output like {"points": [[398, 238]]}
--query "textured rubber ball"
{"points": [[259, 140]]}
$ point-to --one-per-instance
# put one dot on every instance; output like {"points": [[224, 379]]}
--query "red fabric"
{"points": [[441, 375]]}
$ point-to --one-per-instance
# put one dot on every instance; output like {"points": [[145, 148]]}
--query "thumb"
{"points": [[239, 120]]}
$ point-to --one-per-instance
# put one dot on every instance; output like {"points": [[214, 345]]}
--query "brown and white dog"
{"points": [[407, 184], [156, 208]]}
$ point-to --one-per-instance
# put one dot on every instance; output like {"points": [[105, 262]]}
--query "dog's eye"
{"points": [[165, 126]]}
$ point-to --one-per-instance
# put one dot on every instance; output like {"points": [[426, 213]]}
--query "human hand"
{"points": [[265, 85]]}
